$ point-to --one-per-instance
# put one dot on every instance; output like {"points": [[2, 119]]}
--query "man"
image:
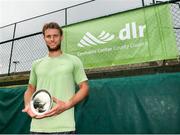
{"points": [[57, 72]]}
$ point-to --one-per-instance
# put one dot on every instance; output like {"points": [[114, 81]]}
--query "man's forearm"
{"points": [[27, 95], [80, 95]]}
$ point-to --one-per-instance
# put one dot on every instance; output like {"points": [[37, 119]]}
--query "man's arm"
{"points": [[27, 97], [80, 95], [63, 106]]}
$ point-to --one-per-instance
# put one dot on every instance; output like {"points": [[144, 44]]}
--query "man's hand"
{"points": [[28, 110], [63, 106], [57, 109], [27, 98]]}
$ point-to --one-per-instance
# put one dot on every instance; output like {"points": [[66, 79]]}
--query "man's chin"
{"points": [[53, 49]]}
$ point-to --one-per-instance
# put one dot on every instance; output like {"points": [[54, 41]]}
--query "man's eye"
{"points": [[48, 36]]}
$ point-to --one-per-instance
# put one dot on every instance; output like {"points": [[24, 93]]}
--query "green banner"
{"points": [[136, 36]]}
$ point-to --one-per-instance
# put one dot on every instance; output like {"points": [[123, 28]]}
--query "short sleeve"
{"points": [[79, 73], [33, 77]]}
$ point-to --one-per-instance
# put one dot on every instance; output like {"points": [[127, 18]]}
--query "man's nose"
{"points": [[52, 38]]}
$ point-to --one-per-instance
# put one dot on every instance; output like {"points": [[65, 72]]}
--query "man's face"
{"points": [[53, 39]]}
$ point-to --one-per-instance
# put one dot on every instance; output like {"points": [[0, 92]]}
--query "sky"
{"points": [[12, 11]]}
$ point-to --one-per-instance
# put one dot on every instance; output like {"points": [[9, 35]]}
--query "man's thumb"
{"points": [[25, 109]]}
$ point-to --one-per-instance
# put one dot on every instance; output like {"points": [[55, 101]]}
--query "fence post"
{"points": [[10, 58], [143, 3], [65, 16]]}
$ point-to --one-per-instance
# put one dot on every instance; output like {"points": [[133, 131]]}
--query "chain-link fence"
{"points": [[175, 10], [27, 50], [25, 45]]}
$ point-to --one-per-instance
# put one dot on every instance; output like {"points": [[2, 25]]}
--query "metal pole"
{"points": [[66, 22], [65, 16], [15, 64], [143, 3], [11, 49]]}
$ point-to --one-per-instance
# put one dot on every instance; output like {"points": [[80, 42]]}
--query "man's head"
{"points": [[53, 36]]}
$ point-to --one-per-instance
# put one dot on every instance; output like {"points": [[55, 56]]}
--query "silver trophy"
{"points": [[41, 102]]}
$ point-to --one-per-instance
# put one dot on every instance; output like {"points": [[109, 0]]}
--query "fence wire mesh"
{"points": [[175, 10], [5, 50], [27, 49]]}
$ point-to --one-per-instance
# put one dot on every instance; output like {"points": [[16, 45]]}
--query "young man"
{"points": [[57, 72]]}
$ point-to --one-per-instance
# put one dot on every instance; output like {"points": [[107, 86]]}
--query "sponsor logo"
{"points": [[130, 31], [90, 40]]}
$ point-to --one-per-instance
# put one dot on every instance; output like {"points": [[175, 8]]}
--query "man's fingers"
{"points": [[29, 112], [51, 111], [25, 109], [55, 99], [45, 115], [40, 117], [54, 111], [33, 115]]}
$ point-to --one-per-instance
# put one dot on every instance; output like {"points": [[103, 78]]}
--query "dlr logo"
{"points": [[125, 33]]}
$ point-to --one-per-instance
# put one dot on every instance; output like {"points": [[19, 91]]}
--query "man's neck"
{"points": [[55, 53]]}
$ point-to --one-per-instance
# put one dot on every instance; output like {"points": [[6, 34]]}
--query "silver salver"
{"points": [[41, 102]]}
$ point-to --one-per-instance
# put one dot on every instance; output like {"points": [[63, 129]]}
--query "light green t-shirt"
{"points": [[58, 75]]}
